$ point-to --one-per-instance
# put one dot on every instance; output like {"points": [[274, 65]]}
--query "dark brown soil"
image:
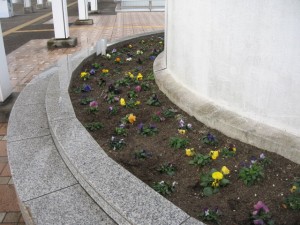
{"points": [[235, 200]]}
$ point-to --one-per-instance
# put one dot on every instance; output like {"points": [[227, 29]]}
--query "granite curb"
{"points": [[228, 122], [47, 191]]}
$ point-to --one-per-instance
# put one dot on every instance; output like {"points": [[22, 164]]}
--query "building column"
{"points": [[94, 5], [6, 9], [83, 15], [61, 26], [5, 85], [27, 6]]}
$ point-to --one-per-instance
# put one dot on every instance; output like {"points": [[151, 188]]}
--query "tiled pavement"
{"points": [[32, 58], [9, 210]]}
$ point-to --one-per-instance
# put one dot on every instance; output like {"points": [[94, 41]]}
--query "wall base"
{"points": [[228, 122]]}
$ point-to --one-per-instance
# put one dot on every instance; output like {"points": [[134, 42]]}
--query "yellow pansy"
{"points": [[217, 175], [181, 131], [139, 76], [130, 75], [215, 183], [122, 102], [189, 151], [214, 154], [293, 189], [84, 75], [225, 170], [137, 103], [234, 149], [105, 70], [131, 118]]}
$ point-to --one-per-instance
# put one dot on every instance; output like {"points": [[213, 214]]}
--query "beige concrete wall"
{"points": [[241, 54]]}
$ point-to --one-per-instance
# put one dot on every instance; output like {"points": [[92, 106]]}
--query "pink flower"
{"points": [[93, 104], [260, 205], [138, 88]]}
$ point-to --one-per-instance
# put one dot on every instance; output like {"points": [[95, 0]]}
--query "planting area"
{"points": [[212, 177]]}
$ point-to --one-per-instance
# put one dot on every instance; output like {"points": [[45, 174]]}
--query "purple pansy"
{"points": [[258, 222], [152, 57], [92, 71], [87, 88]]}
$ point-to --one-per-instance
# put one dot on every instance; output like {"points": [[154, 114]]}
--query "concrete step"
{"points": [[48, 192]]}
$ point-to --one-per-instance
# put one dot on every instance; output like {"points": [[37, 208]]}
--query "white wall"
{"points": [[243, 55]]}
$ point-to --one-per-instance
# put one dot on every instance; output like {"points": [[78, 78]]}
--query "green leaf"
{"points": [[224, 182], [207, 191]]}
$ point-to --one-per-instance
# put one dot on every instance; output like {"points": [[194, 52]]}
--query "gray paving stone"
{"points": [[37, 167], [35, 91], [2, 215], [68, 206], [192, 221], [27, 121], [58, 103], [75, 141]]}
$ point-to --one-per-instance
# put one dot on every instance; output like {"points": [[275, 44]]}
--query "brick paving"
{"points": [[9, 209], [27, 61]]}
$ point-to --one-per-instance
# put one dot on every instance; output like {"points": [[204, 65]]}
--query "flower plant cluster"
{"points": [[261, 215], [122, 90]]}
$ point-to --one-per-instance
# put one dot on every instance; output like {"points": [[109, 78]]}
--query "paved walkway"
{"points": [[32, 58]]}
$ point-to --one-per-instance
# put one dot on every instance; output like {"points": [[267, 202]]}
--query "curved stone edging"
{"points": [[121, 195], [228, 122]]}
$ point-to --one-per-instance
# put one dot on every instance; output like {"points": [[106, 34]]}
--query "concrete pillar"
{"points": [[94, 5], [28, 7], [61, 26], [5, 85], [40, 4], [83, 16], [6, 9], [60, 19], [83, 9]]}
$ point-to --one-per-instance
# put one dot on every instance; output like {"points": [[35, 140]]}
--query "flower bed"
{"points": [[210, 176]]}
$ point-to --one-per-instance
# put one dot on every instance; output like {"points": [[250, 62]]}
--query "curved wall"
{"points": [[243, 55]]}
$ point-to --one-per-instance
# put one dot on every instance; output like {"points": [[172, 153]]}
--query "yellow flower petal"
{"points": [[293, 189], [189, 152], [181, 131], [225, 170], [139, 76], [122, 102], [83, 74], [217, 175], [131, 118], [215, 183], [214, 154]]}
